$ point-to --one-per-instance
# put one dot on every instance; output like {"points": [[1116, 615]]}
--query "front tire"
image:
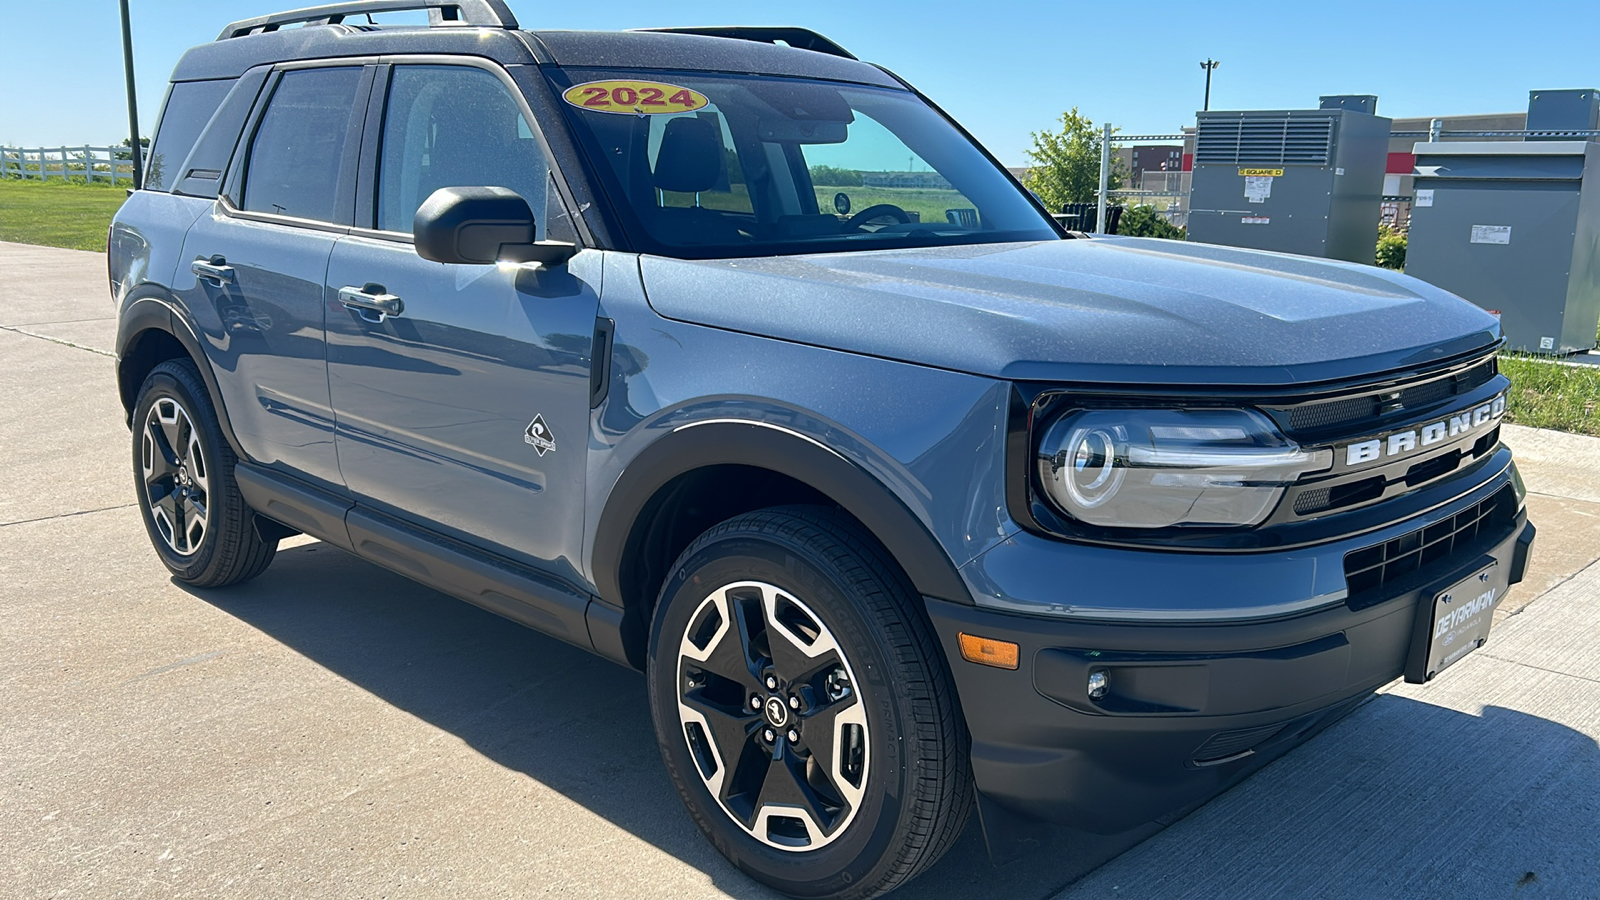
{"points": [[199, 523], [804, 709]]}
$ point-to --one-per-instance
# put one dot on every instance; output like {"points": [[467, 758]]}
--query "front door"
{"points": [[464, 405]]}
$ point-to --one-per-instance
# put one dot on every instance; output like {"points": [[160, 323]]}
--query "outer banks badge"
{"points": [[538, 434]]}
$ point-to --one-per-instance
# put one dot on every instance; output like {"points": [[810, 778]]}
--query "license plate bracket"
{"points": [[1453, 622]]}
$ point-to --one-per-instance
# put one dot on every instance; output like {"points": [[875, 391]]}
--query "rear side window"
{"points": [[454, 126], [293, 166], [190, 105]]}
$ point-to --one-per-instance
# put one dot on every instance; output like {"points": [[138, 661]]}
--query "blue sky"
{"points": [[1002, 68]]}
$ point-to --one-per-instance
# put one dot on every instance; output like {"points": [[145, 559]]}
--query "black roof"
{"points": [[609, 49]]}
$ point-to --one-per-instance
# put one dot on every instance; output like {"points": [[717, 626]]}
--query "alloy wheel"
{"points": [[773, 717], [177, 482]]}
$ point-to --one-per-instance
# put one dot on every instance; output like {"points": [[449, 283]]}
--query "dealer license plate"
{"points": [[1462, 615]]}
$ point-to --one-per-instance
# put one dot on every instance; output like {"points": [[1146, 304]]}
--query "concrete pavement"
{"points": [[332, 730]]}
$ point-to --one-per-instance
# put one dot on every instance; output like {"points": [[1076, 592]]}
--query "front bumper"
{"points": [[1191, 707]]}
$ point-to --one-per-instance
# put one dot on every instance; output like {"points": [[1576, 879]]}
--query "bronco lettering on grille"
{"points": [[1403, 442]]}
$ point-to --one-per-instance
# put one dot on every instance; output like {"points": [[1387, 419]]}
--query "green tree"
{"points": [[833, 176], [1066, 163], [1391, 248], [1144, 221]]}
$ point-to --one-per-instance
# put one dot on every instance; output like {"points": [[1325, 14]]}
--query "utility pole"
{"points": [[1208, 65], [136, 151]]}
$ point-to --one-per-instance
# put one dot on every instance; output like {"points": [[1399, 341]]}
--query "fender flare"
{"points": [[782, 451], [149, 308]]}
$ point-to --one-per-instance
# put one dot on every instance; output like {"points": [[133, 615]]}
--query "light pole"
{"points": [[133, 101], [1208, 65]]}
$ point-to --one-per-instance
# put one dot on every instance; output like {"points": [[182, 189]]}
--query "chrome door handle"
{"points": [[372, 298], [214, 269]]}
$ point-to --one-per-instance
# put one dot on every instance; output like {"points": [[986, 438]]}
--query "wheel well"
{"points": [[682, 510], [149, 349]]}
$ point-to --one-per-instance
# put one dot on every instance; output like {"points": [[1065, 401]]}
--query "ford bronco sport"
{"points": [[905, 502]]}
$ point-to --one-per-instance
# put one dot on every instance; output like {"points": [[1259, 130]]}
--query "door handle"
{"points": [[372, 298], [214, 269]]}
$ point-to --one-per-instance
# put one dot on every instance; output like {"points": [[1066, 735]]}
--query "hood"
{"points": [[1114, 311]]}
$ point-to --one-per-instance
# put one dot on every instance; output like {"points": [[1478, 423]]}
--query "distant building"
{"points": [[926, 180], [1142, 158]]}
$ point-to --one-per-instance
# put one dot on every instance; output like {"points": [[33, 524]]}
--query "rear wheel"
{"points": [[183, 473], [803, 707]]}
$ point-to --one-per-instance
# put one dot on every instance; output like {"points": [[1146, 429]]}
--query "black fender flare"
{"points": [[779, 450], [150, 308]]}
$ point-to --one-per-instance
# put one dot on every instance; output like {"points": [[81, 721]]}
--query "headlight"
{"points": [[1161, 467]]}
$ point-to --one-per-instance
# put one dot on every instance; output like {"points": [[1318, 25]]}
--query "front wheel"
{"points": [[803, 707]]}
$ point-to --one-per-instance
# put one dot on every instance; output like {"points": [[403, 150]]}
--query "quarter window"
{"points": [[454, 126], [294, 161]]}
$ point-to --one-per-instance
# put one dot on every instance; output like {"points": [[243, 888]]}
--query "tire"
{"points": [[183, 476], [873, 785]]}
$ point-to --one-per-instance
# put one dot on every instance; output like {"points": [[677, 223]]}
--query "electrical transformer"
{"points": [[1514, 226], [1307, 181]]}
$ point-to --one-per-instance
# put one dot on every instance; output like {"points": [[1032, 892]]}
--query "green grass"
{"points": [[55, 214], [1546, 394]]}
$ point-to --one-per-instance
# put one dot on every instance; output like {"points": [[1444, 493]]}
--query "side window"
{"points": [[454, 126], [293, 167], [190, 106]]}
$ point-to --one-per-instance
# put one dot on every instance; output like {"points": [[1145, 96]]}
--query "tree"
{"points": [[1144, 221], [1066, 163], [1391, 248], [833, 176]]}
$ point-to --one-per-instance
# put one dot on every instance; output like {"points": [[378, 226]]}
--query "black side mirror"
{"points": [[481, 226]]}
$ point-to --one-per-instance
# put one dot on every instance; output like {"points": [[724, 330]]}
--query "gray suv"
{"points": [[733, 359]]}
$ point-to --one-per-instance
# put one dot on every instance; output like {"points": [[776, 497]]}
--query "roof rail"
{"points": [[794, 36], [490, 13]]}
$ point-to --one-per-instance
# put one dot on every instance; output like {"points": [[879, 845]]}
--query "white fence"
{"points": [[82, 164]]}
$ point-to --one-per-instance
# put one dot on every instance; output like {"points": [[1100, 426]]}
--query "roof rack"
{"points": [[489, 13], [802, 38]]}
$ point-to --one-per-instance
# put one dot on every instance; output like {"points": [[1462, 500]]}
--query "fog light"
{"points": [[1099, 684]]}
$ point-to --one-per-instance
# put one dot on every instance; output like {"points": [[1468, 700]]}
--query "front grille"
{"points": [[1414, 556], [1353, 413]]}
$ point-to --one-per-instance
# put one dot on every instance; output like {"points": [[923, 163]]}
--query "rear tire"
{"points": [[803, 707], [198, 521]]}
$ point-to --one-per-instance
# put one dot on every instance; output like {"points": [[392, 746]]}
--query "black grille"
{"points": [[1225, 744], [1426, 550], [1356, 411]]}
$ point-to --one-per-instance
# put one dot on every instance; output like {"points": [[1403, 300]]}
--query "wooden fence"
{"points": [[80, 164]]}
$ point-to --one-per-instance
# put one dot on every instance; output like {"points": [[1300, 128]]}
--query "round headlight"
{"points": [[1090, 458], [1155, 468]]}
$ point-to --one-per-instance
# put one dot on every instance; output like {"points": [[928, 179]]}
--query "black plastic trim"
{"points": [[493, 583], [300, 506], [600, 361], [151, 308], [696, 446]]}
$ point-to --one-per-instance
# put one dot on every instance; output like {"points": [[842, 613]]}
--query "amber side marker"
{"points": [[988, 651]]}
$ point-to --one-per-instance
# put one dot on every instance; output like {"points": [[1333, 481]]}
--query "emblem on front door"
{"points": [[538, 434]]}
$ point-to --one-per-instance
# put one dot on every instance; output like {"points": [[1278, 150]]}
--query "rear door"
{"points": [[464, 409], [252, 271]]}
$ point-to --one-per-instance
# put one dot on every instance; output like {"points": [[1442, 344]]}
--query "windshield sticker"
{"points": [[635, 98]]}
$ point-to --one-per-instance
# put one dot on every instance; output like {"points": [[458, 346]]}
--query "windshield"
{"points": [[704, 165]]}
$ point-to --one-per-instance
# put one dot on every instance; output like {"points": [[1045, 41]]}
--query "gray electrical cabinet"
{"points": [[1574, 110], [1307, 181], [1513, 226]]}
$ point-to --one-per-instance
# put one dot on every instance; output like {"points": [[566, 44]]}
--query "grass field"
{"points": [[56, 214], [1548, 394]]}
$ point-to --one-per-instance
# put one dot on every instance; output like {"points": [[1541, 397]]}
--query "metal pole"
{"points": [[1208, 65], [133, 100], [1435, 130], [1105, 179]]}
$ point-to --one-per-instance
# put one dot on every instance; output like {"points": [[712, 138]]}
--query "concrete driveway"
{"points": [[332, 730]]}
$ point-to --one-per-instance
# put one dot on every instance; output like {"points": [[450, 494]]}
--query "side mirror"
{"points": [[480, 226]]}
